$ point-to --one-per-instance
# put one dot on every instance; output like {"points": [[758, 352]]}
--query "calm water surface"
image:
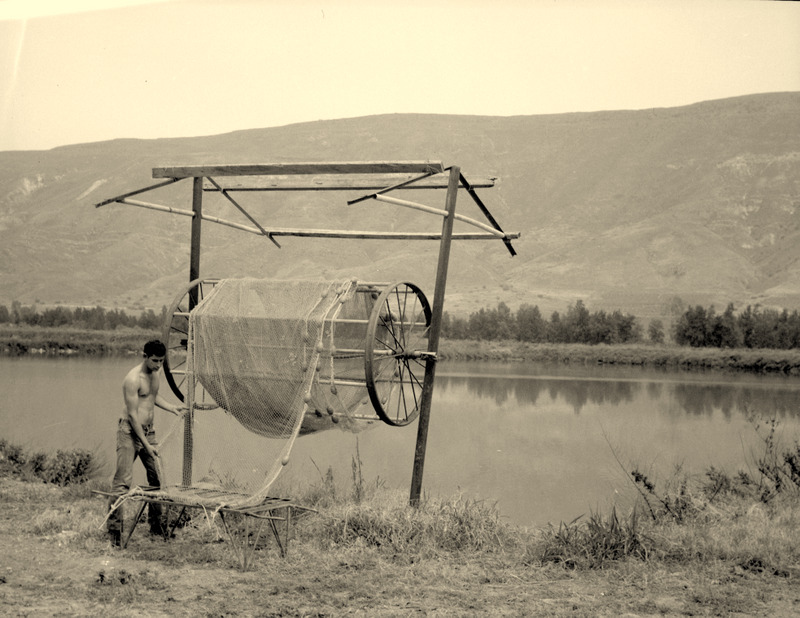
{"points": [[541, 441]]}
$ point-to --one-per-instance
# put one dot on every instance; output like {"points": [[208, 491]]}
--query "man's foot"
{"points": [[158, 530], [115, 536]]}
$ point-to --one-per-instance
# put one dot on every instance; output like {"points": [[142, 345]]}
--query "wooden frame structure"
{"points": [[377, 179], [276, 513]]}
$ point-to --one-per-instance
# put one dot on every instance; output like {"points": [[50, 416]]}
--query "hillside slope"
{"points": [[624, 209]]}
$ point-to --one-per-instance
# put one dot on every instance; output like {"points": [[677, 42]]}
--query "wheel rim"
{"points": [[175, 334], [395, 361]]}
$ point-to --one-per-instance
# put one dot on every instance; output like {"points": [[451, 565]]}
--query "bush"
{"points": [[64, 468], [69, 467]]}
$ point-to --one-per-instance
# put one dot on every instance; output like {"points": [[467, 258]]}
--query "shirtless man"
{"points": [[136, 436]]}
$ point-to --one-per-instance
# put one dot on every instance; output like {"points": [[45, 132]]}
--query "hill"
{"points": [[637, 210]]}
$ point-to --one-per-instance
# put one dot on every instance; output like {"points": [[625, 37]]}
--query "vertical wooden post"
{"points": [[197, 220], [194, 273], [433, 338]]}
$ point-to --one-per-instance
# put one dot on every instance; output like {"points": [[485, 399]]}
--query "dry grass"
{"points": [[379, 556]]}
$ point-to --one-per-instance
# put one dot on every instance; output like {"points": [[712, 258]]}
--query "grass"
{"points": [[748, 522], [723, 546]]}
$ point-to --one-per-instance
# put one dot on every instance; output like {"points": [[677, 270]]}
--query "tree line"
{"points": [[576, 325], [754, 327], [95, 318]]}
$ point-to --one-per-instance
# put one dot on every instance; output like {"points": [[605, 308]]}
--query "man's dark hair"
{"points": [[154, 347]]}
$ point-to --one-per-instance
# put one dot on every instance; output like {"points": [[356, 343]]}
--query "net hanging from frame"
{"points": [[262, 350]]}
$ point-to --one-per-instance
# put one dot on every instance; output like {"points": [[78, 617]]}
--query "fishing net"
{"points": [[270, 358]]}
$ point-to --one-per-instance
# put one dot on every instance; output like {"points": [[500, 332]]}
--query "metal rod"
{"points": [[359, 321], [486, 212], [137, 192], [362, 383], [358, 417], [244, 212], [391, 188]]}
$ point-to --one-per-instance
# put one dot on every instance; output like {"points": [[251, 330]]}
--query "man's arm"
{"points": [[130, 391], [165, 405]]}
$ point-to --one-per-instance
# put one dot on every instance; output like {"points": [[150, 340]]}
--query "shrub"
{"points": [[63, 468], [69, 467]]}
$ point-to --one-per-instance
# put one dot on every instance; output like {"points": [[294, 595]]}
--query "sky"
{"points": [[78, 71]]}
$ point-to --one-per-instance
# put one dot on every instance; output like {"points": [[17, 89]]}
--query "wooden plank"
{"points": [[329, 182], [269, 169]]}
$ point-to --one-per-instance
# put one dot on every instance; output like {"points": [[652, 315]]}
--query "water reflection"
{"points": [[705, 400], [701, 399]]}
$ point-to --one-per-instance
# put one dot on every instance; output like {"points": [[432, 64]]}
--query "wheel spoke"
{"points": [[399, 325]]}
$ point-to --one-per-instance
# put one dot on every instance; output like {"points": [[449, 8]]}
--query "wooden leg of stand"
{"points": [[127, 536], [176, 522], [276, 533], [240, 539]]}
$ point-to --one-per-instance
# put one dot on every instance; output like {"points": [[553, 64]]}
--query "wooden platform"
{"points": [[274, 512]]}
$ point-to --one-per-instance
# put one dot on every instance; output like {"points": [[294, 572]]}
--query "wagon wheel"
{"points": [[395, 361], [175, 334]]}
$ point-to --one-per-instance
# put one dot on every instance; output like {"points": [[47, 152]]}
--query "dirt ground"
{"points": [[68, 568]]}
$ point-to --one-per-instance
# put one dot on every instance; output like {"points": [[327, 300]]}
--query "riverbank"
{"points": [[365, 552], [23, 340], [668, 356], [27, 340]]}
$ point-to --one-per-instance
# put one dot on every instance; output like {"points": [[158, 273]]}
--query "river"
{"points": [[545, 443]]}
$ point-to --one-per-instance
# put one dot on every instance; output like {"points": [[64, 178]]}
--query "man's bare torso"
{"points": [[146, 384]]}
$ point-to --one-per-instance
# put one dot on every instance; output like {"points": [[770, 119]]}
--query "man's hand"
{"points": [[180, 410], [154, 450]]}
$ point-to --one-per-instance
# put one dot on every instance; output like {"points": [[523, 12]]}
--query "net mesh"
{"points": [[267, 354]]}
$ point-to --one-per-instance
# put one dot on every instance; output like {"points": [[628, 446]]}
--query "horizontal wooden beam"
{"points": [[353, 182], [280, 169], [313, 233]]}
